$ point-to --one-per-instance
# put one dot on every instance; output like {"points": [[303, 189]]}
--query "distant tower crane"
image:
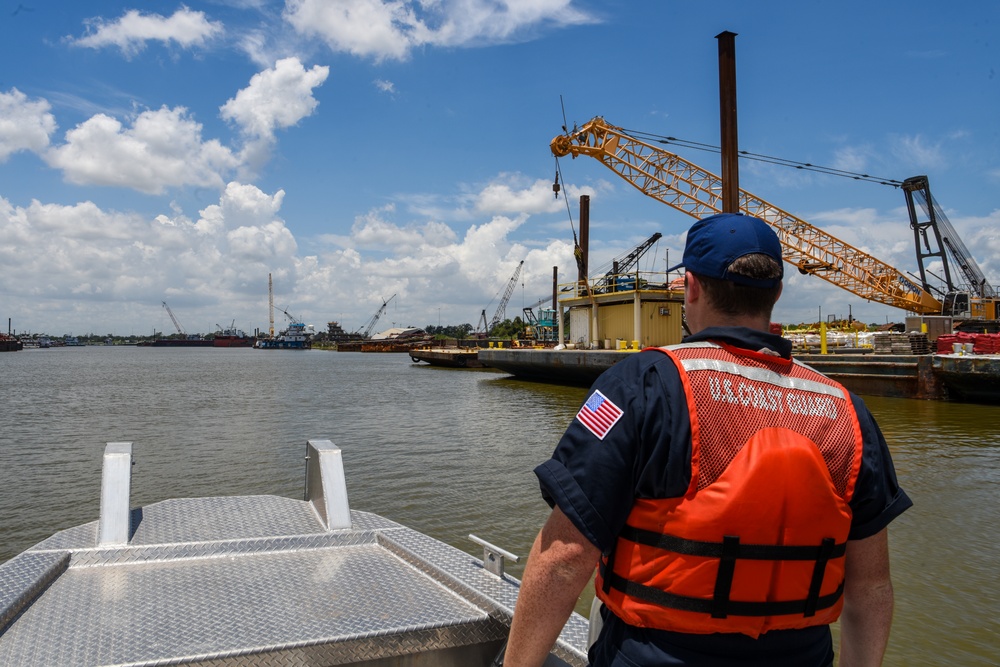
{"points": [[174, 319]]}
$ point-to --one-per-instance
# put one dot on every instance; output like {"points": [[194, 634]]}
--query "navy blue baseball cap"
{"points": [[715, 242]]}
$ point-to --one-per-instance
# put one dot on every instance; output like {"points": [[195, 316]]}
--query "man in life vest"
{"points": [[734, 501]]}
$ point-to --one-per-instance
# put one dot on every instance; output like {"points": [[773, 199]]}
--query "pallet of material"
{"points": [[901, 343]]}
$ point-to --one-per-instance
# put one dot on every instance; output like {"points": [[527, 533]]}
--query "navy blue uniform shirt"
{"points": [[647, 454]]}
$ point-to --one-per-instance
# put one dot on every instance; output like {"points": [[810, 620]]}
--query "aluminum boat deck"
{"points": [[256, 580]]}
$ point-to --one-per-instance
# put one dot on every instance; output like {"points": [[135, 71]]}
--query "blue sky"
{"points": [[160, 151]]}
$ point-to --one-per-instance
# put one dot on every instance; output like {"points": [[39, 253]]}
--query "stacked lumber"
{"points": [[901, 343]]}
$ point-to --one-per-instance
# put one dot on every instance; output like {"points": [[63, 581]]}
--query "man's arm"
{"points": [[868, 602], [561, 563]]}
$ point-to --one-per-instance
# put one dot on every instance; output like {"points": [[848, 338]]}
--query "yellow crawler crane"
{"points": [[688, 188]]}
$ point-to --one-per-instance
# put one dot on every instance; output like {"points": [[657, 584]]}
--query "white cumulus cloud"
{"points": [[162, 148], [133, 29], [390, 29], [276, 98], [25, 125]]}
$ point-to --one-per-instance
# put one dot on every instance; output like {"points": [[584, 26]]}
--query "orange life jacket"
{"points": [[757, 542]]}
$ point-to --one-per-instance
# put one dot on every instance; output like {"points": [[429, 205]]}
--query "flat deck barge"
{"points": [[929, 376]]}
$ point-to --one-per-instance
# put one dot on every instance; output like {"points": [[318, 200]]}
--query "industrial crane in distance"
{"points": [[173, 319], [690, 189], [616, 278], [501, 311], [935, 237], [366, 334]]}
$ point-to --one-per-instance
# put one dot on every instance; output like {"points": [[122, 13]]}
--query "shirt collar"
{"points": [[746, 338]]}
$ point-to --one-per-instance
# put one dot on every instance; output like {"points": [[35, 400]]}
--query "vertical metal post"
{"points": [[727, 117], [114, 528], [584, 237], [326, 487], [555, 285]]}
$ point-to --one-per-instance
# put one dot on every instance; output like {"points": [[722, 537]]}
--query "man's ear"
{"points": [[692, 288]]}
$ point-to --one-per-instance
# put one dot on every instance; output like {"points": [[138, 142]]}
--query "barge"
{"points": [[257, 580], [450, 357], [957, 377]]}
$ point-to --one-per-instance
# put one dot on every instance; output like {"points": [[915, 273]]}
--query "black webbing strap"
{"points": [[724, 579], [728, 551], [607, 569], [707, 605], [687, 547], [817, 579]]}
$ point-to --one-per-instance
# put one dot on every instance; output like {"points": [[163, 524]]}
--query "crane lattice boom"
{"points": [[690, 189], [174, 319], [624, 264], [371, 323], [501, 310]]}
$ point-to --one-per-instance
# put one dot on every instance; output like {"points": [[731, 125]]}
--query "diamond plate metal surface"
{"points": [[255, 580], [25, 576]]}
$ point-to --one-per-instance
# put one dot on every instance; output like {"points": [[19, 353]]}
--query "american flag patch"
{"points": [[599, 414]]}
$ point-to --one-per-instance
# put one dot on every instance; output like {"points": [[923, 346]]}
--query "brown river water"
{"points": [[447, 452]]}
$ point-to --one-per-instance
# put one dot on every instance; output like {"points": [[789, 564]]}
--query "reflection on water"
{"points": [[447, 452]]}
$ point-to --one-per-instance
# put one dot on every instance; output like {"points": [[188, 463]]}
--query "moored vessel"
{"points": [[232, 338], [10, 343], [295, 337], [451, 357]]}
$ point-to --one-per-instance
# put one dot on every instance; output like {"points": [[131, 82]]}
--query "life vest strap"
{"points": [[731, 607], [687, 547]]}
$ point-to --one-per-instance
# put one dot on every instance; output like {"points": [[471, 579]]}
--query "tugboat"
{"points": [[298, 336]]}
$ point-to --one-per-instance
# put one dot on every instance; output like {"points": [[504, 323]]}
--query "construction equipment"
{"points": [[374, 319], [541, 326], [690, 189], [291, 318], [501, 312], [173, 319], [615, 279], [935, 237]]}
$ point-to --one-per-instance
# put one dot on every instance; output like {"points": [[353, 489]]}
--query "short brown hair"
{"points": [[742, 300]]}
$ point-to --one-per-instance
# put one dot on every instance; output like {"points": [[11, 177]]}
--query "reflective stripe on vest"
{"points": [[758, 540]]}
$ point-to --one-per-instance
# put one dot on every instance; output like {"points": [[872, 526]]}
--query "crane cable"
{"points": [[804, 166]]}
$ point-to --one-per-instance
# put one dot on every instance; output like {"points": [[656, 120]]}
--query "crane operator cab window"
{"points": [[956, 304]]}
